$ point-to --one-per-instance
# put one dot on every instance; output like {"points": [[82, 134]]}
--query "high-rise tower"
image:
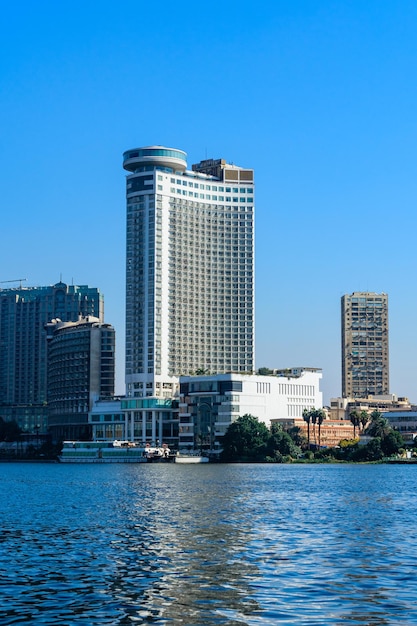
{"points": [[190, 269], [23, 347], [365, 364], [81, 368]]}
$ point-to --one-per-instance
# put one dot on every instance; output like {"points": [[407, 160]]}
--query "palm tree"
{"points": [[356, 420], [320, 418], [314, 421], [364, 419], [379, 426], [307, 419]]}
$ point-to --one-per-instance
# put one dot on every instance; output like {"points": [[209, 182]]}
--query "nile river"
{"points": [[208, 544]]}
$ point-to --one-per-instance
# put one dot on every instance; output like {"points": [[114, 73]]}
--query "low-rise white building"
{"points": [[209, 404]]}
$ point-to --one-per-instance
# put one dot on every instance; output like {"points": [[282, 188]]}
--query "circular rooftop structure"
{"points": [[155, 156]]}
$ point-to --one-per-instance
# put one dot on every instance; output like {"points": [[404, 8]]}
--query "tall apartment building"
{"points": [[81, 370], [24, 312], [190, 269], [365, 363]]}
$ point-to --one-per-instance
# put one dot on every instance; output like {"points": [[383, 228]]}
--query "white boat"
{"points": [[123, 452], [102, 452], [158, 454], [181, 457]]}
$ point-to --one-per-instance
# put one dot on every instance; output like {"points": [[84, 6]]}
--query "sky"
{"points": [[319, 97]]}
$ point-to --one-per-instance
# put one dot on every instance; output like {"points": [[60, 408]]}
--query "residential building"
{"points": [[341, 408], [189, 270], [24, 311], [209, 404], [81, 370], [365, 363]]}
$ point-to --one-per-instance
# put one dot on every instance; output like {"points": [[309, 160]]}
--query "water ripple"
{"points": [[230, 545]]}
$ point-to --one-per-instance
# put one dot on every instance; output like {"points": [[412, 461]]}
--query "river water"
{"points": [[209, 544]]}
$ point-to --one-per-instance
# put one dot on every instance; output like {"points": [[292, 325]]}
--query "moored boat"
{"points": [[102, 452], [190, 458], [158, 454]]}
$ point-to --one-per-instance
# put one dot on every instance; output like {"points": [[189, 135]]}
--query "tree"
{"points": [[355, 418], [245, 440], [313, 416], [392, 442], [320, 415], [307, 419], [9, 431], [265, 371], [280, 442], [379, 426], [386, 441], [372, 451], [298, 437], [314, 421], [364, 419]]}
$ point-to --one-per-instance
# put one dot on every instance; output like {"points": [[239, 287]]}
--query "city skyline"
{"points": [[317, 99]]}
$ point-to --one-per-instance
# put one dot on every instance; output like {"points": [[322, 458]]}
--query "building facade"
{"points": [[209, 404], [151, 420], [190, 269], [341, 408], [81, 370], [405, 422], [365, 356], [24, 311], [108, 421], [332, 431]]}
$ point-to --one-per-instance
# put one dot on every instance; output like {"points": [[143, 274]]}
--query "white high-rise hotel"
{"points": [[190, 269]]}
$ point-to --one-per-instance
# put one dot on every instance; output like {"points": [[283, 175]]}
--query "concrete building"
{"points": [[146, 420], [189, 272], [332, 431], [365, 362], [24, 311], [151, 420], [405, 422], [81, 369], [209, 404], [341, 408], [108, 421]]}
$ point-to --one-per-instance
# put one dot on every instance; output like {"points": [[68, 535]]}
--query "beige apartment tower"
{"points": [[365, 362]]}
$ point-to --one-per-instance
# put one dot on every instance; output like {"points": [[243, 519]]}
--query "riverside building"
{"points": [[365, 363], [81, 370], [24, 311], [189, 272], [209, 404]]}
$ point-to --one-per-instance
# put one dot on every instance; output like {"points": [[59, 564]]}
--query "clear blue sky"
{"points": [[318, 96]]}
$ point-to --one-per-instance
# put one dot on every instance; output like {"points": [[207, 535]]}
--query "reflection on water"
{"points": [[205, 545]]}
